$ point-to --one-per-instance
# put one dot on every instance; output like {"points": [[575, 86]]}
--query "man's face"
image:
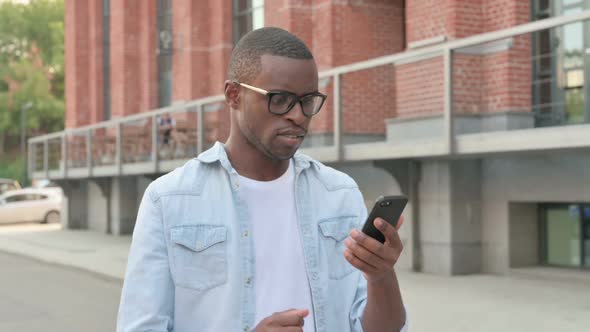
{"points": [[277, 136]]}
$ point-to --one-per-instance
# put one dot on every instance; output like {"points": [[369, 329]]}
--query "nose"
{"points": [[296, 115]]}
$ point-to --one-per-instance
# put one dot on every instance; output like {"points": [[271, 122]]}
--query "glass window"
{"points": [[16, 198], [248, 16], [563, 236]]}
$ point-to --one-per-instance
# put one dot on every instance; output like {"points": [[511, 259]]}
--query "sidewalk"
{"points": [[87, 250], [533, 299]]}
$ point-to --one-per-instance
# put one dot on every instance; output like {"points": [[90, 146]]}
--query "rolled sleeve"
{"points": [[147, 298]]}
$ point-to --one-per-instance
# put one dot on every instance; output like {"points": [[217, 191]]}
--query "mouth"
{"points": [[297, 136], [292, 139]]}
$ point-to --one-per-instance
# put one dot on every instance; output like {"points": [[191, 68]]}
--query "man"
{"points": [[167, 126], [250, 236]]}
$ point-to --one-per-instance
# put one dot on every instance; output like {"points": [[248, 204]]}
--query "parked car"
{"points": [[8, 184], [30, 205]]}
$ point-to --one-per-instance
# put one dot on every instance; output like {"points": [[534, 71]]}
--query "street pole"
{"points": [[23, 147]]}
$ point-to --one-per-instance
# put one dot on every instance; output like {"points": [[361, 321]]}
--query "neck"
{"points": [[250, 162]]}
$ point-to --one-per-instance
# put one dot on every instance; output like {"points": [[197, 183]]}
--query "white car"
{"points": [[30, 205]]}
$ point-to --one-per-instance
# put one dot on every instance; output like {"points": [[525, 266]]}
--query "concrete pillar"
{"points": [[124, 197], [98, 192], [450, 210], [466, 216], [74, 205]]}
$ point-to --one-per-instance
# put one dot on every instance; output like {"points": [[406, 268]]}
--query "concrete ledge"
{"points": [[434, 126]]}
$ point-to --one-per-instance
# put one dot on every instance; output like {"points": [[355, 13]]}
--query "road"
{"points": [[40, 297]]}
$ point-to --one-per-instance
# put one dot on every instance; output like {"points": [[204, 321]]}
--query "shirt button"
{"points": [[245, 233], [246, 328], [249, 280]]}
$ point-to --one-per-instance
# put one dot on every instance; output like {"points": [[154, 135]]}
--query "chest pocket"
{"points": [[199, 254], [334, 231]]}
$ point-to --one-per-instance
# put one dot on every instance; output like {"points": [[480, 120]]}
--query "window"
{"points": [[25, 197], [559, 68], [565, 234], [248, 16], [16, 198]]}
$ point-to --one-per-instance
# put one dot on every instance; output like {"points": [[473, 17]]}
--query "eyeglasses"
{"points": [[281, 102]]}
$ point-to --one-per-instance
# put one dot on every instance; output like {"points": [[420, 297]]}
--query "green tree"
{"points": [[31, 66]]}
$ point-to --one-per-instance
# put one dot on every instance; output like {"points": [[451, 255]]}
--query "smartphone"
{"points": [[390, 209]]}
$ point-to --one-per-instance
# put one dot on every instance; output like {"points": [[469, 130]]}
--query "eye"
{"points": [[281, 99], [308, 101]]}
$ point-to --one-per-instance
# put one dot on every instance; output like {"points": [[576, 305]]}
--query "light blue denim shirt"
{"points": [[191, 262]]}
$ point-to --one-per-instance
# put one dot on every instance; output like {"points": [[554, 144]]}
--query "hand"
{"points": [[286, 321], [374, 259]]}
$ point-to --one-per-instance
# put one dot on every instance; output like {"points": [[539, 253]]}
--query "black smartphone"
{"points": [[390, 209]]}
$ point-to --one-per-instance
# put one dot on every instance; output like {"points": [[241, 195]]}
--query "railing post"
{"points": [[155, 143], [64, 154], [30, 156], [337, 118], [448, 100], [118, 151], [89, 152], [200, 129], [46, 158]]}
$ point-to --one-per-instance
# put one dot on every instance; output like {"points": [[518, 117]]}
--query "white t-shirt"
{"points": [[280, 279]]}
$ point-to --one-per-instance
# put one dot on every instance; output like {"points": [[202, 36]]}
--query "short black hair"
{"points": [[245, 65]]}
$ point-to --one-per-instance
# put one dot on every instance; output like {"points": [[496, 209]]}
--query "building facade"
{"points": [[474, 109]]}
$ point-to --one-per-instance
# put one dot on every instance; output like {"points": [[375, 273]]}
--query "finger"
{"points": [[365, 255], [292, 329], [368, 242], [391, 235], [358, 263], [400, 222], [291, 317], [299, 312]]}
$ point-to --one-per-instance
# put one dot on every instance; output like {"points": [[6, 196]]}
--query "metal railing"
{"points": [[134, 144]]}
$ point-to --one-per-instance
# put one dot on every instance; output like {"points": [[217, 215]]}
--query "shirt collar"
{"points": [[217, 154]]}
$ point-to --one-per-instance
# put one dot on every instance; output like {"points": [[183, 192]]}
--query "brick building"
{"points": [[474, 109]]}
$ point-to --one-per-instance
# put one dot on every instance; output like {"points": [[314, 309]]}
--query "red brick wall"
{"points": [[427, 19], [482, 83], [345, 32], [292, 15], [466, 18], [77, 59], [148, 67], [203, 43], [95, 49], [507, 75], [338, 32], [202, 48], [419, 88]]}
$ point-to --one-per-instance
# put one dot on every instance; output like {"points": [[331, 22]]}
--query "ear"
{"points": [[232, 94]]}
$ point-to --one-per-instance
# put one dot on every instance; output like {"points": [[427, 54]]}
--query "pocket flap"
{"points": [[198, 237], [337, 228]]}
